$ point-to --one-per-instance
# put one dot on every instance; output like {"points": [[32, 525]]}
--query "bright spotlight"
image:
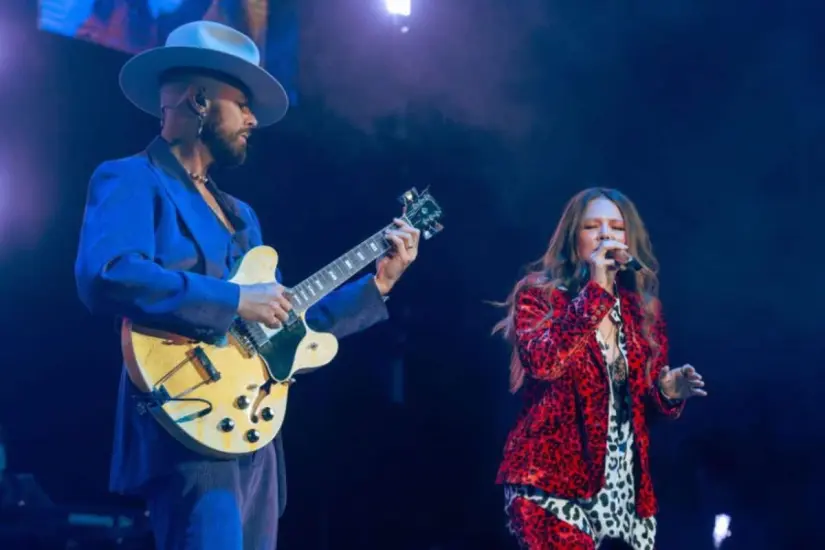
{"points": [[399, 7], [721, 529]]}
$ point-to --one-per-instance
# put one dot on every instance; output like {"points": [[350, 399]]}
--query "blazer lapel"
{"points": [[208, 232], [637, 347], [593, 346], [236, 216]]}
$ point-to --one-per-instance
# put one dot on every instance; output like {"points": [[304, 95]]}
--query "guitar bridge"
{"points": [[206, 363]]}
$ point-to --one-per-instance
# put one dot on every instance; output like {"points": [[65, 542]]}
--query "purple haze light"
{"points": [[399, 7]]}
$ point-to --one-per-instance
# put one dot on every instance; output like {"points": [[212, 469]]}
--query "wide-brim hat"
{"points": [[211, 46]]}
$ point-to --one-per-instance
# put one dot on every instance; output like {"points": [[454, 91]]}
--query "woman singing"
{"points": [[590, 354]]}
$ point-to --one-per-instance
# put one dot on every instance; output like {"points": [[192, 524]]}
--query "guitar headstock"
{"points": [[422, 212]]}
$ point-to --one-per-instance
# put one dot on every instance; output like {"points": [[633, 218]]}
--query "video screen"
{"points": [[133, 26]]}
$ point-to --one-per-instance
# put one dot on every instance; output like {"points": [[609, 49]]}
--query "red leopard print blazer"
{"points": [[558, 443]]}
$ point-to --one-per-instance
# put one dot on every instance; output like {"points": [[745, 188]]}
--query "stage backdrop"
{"points": [[132, 26]]}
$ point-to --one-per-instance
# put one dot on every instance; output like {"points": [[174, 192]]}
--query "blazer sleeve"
{"points": [[660, 404], [547, 332], [352, 308], [115, 270]]}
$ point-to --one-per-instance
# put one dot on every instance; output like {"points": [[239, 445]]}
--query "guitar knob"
{"points": [[227, 425], [267, 414], [242, 402], [253, 436]]}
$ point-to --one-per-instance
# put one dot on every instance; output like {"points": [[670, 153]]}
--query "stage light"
{"points": [[399, 7], [721, 529]]}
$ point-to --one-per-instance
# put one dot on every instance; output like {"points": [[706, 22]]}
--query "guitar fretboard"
{"points": [[308, 292]]}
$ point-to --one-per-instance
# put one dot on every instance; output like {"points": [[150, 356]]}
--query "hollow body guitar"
{"points": [[230, 398]]}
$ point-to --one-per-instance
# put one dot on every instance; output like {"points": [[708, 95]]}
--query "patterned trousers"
{"points": [[537, 529]]}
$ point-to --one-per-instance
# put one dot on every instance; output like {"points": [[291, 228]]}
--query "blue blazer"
{"points": [[151, 250]]}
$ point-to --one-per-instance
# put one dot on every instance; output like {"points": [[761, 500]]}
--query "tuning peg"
{"points": [[408, 196], [432, 231]]}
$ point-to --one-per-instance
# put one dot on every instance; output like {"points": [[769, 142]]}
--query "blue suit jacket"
{"points": [[152, 250]]}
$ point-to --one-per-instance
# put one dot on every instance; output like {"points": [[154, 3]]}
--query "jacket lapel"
{"points": [[235, 214], [593, 346], [207, 231], [637, 348]]}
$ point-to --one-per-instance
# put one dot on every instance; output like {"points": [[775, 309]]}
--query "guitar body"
{"points": [[225, 400], [230, 398]]}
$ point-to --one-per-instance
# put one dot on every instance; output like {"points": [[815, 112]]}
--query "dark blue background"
{"points": [[710, 115]]}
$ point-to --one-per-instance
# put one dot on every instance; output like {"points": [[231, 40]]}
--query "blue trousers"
{"points": [[217, 505]]}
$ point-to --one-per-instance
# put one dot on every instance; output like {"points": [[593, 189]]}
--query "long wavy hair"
{"points": [[562, 268]]}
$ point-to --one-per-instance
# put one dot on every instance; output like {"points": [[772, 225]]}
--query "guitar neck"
{"points": [[312, 289]]}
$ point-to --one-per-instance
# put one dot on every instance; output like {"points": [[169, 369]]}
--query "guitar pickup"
{"points": [[206, 363]]}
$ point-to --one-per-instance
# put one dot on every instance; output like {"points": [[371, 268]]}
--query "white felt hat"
{"points": [[205, 45]]}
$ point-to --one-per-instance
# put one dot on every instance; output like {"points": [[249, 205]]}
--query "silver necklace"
{"points": [[198, 178]]}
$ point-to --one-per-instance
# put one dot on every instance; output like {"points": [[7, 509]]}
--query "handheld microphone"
{"points": [[625, 260]]}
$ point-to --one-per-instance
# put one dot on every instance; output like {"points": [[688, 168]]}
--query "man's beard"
{"points": [[228, 150]]}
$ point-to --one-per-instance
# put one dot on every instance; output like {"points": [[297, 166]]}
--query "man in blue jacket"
{"points": [[157, 245]]}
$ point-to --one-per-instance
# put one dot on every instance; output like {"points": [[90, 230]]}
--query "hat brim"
{"points": [[140, 79]]}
